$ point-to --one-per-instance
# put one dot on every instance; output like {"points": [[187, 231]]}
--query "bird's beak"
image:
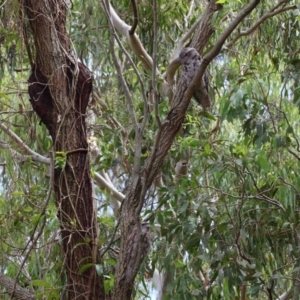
{"points": [[171, 70]]}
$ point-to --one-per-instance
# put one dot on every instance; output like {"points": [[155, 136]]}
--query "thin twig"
{"points": [[43, 212], [184, 38], [112, 240], [112, 24], [154, 57], [293, 133], [137, 129], [22, 144], [289, 184], [272, 12], [293, 153], [188, 14]]}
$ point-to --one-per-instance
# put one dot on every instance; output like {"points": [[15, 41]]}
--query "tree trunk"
{"points": [[141, 181], [130, 216], [59, 89]]}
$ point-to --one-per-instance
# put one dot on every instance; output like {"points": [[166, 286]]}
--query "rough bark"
{"points": [[59, 89], [205, 30], [141, 182], [15, 291], [170, 126]]}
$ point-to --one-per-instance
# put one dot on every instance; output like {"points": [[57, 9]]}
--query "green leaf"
{"points": [[41, 283], [263, 163], [34, 188], [183, 207], [85, 267], [17, 193], [254, 290]]}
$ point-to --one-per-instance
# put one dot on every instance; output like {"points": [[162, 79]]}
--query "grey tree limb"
{"points": [[15, 290]]}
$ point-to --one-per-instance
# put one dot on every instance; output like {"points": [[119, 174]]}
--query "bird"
{"points": [[134, 255], [191, 60]]}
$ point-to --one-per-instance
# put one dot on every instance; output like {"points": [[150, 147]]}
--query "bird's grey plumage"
{"points": [[191, 61]]}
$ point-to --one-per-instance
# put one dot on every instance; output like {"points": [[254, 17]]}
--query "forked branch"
{"points": [[132, 39], [133, 201]]}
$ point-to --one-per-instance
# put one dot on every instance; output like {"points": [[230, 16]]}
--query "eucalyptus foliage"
{"points": [[232, 223]]}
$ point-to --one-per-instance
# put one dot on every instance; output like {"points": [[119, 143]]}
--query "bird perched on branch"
{"points": [[191, 60]]}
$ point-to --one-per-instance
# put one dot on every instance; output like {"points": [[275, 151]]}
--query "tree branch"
{"points": [[203, 30], [137, 128], [286, 296], [132, 39], [34, 237], [154, 96], [22, 145], [184, 38], [188, 14], [181, 100], [272, 12], [135, 18], [110, 17], [133, 201], [22, 157], [15, 290], [220, 42], [104, 185]]}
